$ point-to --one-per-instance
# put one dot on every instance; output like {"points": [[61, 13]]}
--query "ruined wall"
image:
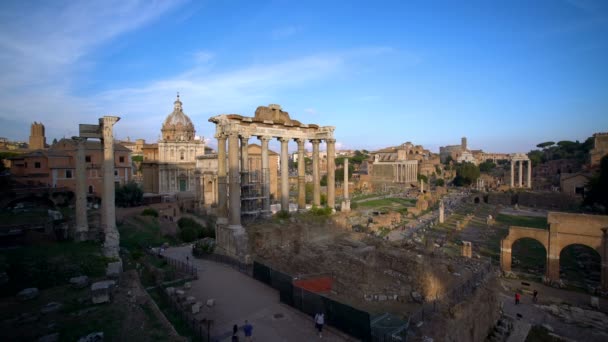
{"points": [[470, 320], [546, 200], [502, 198]]}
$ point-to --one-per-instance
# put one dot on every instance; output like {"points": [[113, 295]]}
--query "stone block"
{"points": [[595, 303], [187, 285], [100, 291], [170, 291], [79, 282], [93, 337], [29, 293], [196, 307], [51, 307], [180, 293], [114, 269], [417, 297], [190, 300], [210, 302]]}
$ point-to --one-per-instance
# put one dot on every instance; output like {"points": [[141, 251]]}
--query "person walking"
{"points": [[248, 329], [535, 296], [235, 336], [517, 298], [319, 322]]}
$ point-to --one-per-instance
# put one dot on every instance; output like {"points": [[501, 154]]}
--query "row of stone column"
{"points": [[405, 173], [236, 173], [529, 171]]}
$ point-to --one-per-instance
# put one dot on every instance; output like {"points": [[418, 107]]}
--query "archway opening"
{"points": [[529, 256], [476, 200], [580, 266]]}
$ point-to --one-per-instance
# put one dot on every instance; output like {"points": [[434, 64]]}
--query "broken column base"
{"points": [[81, 235], [345, 206], [232, 241]]}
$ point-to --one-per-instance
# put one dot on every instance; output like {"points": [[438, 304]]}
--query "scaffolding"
{"points": [[253, 197]]}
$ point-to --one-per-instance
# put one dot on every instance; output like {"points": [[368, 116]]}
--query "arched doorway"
{"points": [[528, 256], [90, 189], [580, 266]]}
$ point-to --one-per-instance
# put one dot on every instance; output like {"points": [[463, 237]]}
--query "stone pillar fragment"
{"points": [[112, 237], [512, 173], [316, 197], [284, 174], [301, 175], [331, 173], [234, 210], [529, 174], [346, 202], [222, 195], [521, 167], [265, 175], [82, 225], [441, 212]]}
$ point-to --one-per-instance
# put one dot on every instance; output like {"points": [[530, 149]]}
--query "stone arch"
{"points": [[572, 255], [516, 233], [526, 250]]}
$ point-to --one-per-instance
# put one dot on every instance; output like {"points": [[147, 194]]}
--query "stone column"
{"points": [[316, 198], [234, 182], [512, 173], [284, 174], [222, 194], [441, 212], [521, 167], [331, 173], [112, 237], [604, 257], [265, 174], [244, 159], [301, 175], [505, 256], [82, 225], [346, 202], [529, 174]]}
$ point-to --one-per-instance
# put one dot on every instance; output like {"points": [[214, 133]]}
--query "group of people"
{"points": [[534, 297], [248, 328]]}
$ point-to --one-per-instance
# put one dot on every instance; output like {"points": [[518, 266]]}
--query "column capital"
{"points": [[299, 140], [220, 136], [315, 141], [245, 137], [330, 141], [264, 138], [283, 139]]}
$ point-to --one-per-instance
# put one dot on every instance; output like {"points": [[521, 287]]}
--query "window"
{"points": [[90, 189], [68, 173], [37, 165], [115, 172], [87, 159], [121, 159], [181, 155]]}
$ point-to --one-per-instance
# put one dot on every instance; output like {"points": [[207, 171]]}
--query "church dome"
{"points": [[178, 126]]}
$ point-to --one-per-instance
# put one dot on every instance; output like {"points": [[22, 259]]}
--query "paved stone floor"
{"points": [[239, 297]]}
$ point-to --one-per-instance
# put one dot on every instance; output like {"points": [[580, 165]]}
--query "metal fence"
{"points": [[200, 327], [179, 266], [349, 320]]}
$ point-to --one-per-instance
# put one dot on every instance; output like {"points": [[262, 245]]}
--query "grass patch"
{"points": [[50, 264], [539, 334], [140, 232], [387, 203], [172, 315], [523, 221]]}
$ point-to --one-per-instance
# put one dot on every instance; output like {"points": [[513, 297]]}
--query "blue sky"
{"points": [[506, 74]]}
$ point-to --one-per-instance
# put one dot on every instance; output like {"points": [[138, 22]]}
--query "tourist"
{"points": [[248, 329], [319, 321], [517, 297], [535, 296], [235, 329]]}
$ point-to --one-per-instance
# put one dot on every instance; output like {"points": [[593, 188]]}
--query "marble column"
{"points": [[265, 174], [441, 212], [234, 182], [222, 195], [346, 203], [512, 173], [331, 173], [284, 174], [316, 197], [529, 174], [301, 175], [521, 167], [604, 260], [244, 159], [112, 237], [82, 225]]}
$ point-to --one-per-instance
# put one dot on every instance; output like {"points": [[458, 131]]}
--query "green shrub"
{"points": [[283, 214], [188, 233], [150, 212], [323, 211], [354, 205]]}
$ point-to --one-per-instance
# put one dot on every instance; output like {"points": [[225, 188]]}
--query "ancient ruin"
{"points": [[521, 158], [564, 229], [268, 123]]}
